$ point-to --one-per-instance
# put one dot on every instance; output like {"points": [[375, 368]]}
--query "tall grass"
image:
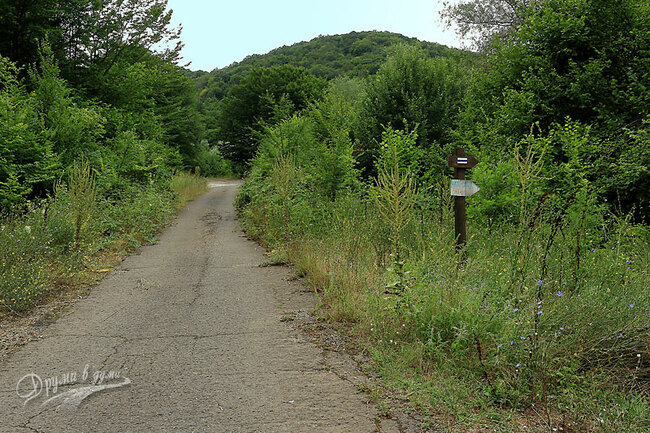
{"points": [[59, 242], [551, 314], [188, 186]]}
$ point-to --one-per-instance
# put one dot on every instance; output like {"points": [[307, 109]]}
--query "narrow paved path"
{"points": [[189, 337]]}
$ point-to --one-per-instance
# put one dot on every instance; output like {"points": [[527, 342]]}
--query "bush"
{"points": [[411, 91], [27, 162], [211, 162], [25, 246]]}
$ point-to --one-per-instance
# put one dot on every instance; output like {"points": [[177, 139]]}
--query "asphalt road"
{"points": [[186, 336]]}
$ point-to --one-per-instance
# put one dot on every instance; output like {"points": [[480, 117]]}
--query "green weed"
{"points": [[549, 314], [56, 243]]}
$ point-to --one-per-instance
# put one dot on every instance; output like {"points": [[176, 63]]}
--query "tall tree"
{"points": [[481, 20], [583, 59], [24, 23], [570, 65], [27, 161], [264, 96], [98, 33], [410, 91]]}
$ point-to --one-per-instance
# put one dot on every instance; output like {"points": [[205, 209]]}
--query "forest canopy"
{"points": [[83, 79]]}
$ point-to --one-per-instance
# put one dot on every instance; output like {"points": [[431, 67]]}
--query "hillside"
{"points": [[353, 54]]}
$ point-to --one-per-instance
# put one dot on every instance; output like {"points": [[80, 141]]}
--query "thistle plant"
{"points": [[82, 192], [284, 174], [394, 192]]}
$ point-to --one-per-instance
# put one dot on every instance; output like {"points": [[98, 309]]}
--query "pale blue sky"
{"points": [[218, 33]]}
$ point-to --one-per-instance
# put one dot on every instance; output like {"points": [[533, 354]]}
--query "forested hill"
{"points": [[356, 54]]}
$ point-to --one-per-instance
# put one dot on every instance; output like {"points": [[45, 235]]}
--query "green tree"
{"points": [[159, 97], [24, 24], [411, 91], [27, 161], [73, 128], [333, 118], [264, 97], [586, 61], [99, 33], [481, 21]]}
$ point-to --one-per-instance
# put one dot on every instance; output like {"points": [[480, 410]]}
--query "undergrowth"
{"points": [[546, 319], [59, 242]]}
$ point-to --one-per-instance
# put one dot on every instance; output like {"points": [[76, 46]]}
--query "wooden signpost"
{"points": [[461, 188]]}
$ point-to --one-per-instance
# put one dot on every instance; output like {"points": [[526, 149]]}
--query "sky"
{"points": [[217, 33]]}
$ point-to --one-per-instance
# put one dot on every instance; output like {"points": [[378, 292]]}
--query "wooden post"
{"points": [[461, 188], [459, 206]]}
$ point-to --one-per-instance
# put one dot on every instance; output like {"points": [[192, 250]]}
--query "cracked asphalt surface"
{"points": [[195, 325]]}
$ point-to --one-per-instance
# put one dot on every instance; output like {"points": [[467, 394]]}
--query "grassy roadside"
{"points": [[543, 328], [73, 239], [466, 346]]}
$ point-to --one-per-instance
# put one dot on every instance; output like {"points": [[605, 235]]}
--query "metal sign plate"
{"points": [[463, 188]]}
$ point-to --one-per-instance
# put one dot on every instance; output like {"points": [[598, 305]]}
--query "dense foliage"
{"points": [[543, 319], [224, 92], [94, 124], [412, 91], [81, 79], [576, 72], [345, 141], [264, 97]]}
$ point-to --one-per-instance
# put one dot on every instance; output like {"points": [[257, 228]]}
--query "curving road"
{"points": [[187, 336]]}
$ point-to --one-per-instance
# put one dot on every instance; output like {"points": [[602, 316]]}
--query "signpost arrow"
{"points": [[463, 188]]}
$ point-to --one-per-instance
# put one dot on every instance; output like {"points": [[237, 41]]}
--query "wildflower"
{"points": [[512, 342], [515, 310], [539, 313], [501, 345], [593, 250], [628, 262], [518, 365], [539, 283], [559, 293], [631, 305]]}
